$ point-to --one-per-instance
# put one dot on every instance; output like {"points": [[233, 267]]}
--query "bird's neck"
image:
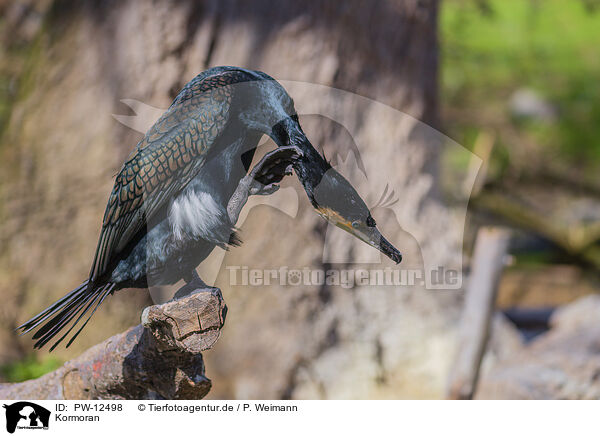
{"points": [[310, 168]]}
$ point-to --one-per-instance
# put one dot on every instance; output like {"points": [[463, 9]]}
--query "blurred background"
{"points": [[516, 82]]}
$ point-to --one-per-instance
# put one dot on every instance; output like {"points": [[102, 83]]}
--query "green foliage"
{"points": [[29, 368], [491, 48], [533, 259]]}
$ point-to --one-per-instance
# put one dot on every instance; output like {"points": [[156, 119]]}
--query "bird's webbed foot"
{"points": [[271, 169]]}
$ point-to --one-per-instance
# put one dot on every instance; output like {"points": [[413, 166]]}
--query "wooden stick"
{"points": [[488, 262]]}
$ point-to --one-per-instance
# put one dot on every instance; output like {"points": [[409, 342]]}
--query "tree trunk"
{"points": [[61, 146]]}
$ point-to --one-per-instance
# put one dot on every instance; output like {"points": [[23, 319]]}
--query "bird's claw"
{"points": [[259, 189]]}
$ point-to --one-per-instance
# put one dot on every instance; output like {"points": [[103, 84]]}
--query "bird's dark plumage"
{"points": [[163, 163]]}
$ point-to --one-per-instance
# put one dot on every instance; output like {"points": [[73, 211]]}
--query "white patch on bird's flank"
{"points": [[196, 214]]}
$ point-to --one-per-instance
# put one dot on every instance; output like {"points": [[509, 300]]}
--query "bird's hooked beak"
{"points": [[363, 231], [389, 250], [332, 196], [375, 239]]}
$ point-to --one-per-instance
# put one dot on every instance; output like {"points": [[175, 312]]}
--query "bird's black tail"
{"points": [[62, 312]]}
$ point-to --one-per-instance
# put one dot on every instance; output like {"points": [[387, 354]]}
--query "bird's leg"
{"points": [[263, 179], [192, 285]]}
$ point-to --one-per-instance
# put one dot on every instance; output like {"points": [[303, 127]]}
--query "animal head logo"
{"points": [[26, 415]]}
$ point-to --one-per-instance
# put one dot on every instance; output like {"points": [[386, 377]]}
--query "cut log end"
{"points": [[189, 325]]}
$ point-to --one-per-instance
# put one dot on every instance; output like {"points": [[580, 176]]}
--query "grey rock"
{"points": [[564, 363]]}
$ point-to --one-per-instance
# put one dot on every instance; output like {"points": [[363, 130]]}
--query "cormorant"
{"points": [[171, 201]]}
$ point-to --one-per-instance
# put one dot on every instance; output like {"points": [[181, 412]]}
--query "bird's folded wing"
{"points": [[164, 162]]}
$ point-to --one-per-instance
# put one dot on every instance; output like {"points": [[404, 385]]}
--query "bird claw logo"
{"points": [[26, 416]]}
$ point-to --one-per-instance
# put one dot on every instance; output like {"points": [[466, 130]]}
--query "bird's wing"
{"points": [[163, 163]]}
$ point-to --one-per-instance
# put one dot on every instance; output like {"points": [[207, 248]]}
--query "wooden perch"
{"points": [[488, 262], [159, 359]]}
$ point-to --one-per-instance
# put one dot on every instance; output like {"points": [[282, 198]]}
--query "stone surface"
{"points": [[563, 363]]}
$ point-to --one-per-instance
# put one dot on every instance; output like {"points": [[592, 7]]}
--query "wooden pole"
{"points": [[488, 262]]}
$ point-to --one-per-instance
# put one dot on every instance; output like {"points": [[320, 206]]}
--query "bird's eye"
{"points": [[371, 222], [355, 224]]}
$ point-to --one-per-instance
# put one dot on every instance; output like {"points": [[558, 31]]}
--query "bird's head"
{"points": [[331, 195], [337, 201]]}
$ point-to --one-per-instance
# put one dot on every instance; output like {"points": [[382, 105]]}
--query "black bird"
{"points": [[171, 203]]}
